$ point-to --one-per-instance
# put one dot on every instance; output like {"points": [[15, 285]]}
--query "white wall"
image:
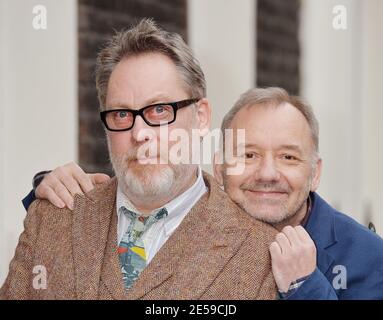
{"points": [[2, 145], [372, 103], [341, 77], [38, 104], [222, 36]]}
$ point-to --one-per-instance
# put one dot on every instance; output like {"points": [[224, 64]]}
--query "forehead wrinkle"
{"points": [[127, 92], [156, 98]]}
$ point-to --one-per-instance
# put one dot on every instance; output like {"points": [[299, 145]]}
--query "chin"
{"points": [[268, 216], [148, 180], [149, 172], [142, 169], [272, 214]]}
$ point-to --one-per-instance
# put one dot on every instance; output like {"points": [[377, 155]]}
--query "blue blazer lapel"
{"points": [[322, 229]]}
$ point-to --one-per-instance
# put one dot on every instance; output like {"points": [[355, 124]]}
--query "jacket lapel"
{"points": [[91, 222], [111, 275], [321, 227], [325, 260]]}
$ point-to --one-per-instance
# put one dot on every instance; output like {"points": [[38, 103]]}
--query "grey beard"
{"points": [[153, 186]]}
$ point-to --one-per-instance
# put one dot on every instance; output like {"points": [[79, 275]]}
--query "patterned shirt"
{"points": [[160, 231]]}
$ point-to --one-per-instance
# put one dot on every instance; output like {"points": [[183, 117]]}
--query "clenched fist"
{"points": [[293, 256]]}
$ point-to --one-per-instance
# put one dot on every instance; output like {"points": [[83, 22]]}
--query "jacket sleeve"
{"points": [[19, 282], [367, 286], [315, 287], [27, 201]]}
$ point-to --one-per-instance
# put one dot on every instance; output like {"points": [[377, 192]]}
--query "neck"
{"points": [[146, 206]]}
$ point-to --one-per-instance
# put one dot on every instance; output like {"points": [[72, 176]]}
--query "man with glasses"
{"points": [[158, 230]]}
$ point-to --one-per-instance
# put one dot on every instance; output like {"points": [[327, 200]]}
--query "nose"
{"points": [[141, 132], [267, 171]]}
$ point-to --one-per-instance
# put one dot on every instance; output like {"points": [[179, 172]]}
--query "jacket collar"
{"points": [[92, 216]]}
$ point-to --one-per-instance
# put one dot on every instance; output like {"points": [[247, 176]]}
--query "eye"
{"points": [[250, 155], [289, 157], [121, 114], [158, 112], [159, 109]]}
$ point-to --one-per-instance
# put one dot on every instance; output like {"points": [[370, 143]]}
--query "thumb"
{"points": [[98, 178]]}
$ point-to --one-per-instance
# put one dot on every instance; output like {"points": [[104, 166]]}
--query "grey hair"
{"points": [[274, 96], [146, 37]]}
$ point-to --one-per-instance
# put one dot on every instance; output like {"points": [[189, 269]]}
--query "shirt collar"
{"points": [[176, 208]]}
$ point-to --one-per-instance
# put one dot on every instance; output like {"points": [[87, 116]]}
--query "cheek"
{"points": [[232, 186], [186, 120], [118, 142], [297, 179], [177, 135]]}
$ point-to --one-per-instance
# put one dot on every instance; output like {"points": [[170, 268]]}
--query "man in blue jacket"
{"points": [[319, 253], [349, 257]]}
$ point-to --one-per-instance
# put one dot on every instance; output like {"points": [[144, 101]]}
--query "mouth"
{"points": [[145, 160], [266, 194]]}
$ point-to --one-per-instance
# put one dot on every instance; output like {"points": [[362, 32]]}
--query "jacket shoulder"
{"points": [[43, 214], [344, 229], [350, 231], [235, 216]]}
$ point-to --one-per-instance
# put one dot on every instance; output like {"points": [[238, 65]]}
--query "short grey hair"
{"points": [[147, 37], [274, 96]]}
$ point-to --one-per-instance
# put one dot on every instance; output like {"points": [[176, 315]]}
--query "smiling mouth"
{"points": [[266, 194]]}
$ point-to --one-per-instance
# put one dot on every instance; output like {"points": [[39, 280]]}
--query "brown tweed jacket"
{"points": [[217, 252]]}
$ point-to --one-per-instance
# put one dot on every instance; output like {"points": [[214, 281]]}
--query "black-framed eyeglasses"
{"points": [[155, 115]]}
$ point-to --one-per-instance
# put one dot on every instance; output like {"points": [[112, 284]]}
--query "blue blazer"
{"points": [[349, 257]]}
